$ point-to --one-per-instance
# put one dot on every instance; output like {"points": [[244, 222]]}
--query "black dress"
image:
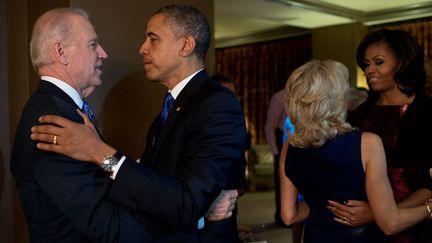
{"points": [[406, 132], [335, 172]]}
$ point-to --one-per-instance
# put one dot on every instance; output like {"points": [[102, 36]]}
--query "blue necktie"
{"points": [[86, 108], [169, 101]]}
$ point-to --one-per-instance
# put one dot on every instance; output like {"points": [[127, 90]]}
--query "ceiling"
{"points": [[241, 21]]}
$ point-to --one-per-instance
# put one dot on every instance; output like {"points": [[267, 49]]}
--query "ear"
{"points": [[188, 46], [58, 53]]}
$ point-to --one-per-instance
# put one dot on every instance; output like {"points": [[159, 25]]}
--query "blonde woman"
{"points": [[326, 159]]}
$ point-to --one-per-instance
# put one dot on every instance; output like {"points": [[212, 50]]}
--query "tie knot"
{"points": [[86, 108], [168, 102]]}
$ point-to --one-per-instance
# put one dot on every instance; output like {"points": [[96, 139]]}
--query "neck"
{"points": [[394, 97], [182, 73], [51, 70]]}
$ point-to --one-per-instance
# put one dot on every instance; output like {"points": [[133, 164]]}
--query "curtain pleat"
{"points": [[260, 70]]}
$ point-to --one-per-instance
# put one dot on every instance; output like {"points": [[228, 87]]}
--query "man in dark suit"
{"points": [[190, 157], [63, 200]]}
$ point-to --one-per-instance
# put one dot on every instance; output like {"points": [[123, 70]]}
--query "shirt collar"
{"points": [[179, 87], [73, 93]]}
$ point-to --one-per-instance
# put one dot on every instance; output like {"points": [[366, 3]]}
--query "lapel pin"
{"points": [[178, 108]]}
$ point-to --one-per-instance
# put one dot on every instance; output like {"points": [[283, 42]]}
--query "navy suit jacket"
{"points": [[188, 160], [63, 199]]}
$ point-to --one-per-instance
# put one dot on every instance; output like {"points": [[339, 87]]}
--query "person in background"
{"points": [[274, 130], [225, 81], [194, 148], [277, 128], [229, 83], [297, 228], [326, 159], [398, 111], [355, 97]]}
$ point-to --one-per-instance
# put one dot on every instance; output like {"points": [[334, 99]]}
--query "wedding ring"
{"points": [[345, 220], [55, 140]]}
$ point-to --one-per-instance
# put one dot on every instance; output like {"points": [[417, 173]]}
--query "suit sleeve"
{"points": [[211, 158], [79, 190]]}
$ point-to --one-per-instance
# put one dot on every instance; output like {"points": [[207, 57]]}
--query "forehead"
{"points": [[158, 25], [82, 26], [378, 48]]}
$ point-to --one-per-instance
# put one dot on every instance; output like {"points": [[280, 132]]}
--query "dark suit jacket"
{"points": [[413, 144], [63, 199], [188, 160]]}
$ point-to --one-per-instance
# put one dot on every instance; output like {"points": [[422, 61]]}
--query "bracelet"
{"points": [[428, 204]]}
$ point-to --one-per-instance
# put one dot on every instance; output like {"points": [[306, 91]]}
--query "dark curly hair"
{"points": [[411, 76]]}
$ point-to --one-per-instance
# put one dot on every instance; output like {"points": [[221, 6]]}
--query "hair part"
{"points": [[411, 76], [53, 26], [188, 21], [315, 102]]}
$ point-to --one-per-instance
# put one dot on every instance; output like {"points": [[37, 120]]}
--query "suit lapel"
{"points": [[49, 88], [178, 107]]}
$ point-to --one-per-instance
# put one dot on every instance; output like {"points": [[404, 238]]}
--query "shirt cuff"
{"points": [[116, 168]]}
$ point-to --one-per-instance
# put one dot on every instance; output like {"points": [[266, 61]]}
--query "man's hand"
{"points": [[352, 213], [75, 140], [223, 206]]}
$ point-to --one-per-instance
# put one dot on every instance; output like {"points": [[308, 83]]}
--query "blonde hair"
{"points": [[315, 102]]}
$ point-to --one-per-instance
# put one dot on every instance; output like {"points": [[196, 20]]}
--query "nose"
{"points": [[101, 53], [370, 69], [143, 49]]}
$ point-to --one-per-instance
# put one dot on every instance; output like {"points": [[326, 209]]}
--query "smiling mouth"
{"points": [[372, 79]]}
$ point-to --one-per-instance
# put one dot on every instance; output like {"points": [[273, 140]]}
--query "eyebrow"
{"points": [[152, 34], [94, 40]]}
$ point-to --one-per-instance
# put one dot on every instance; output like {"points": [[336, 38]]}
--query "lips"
{"points": [[373, 79], [98, 66], [146, 61]]}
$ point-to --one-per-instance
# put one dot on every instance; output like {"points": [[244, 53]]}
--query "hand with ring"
{"points": [[346, 220], [78, 141], [352, 212]]}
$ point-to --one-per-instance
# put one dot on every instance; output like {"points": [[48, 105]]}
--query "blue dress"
{"points": [[335, 172]]}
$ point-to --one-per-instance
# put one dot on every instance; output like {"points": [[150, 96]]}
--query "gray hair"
{"points": [[53, 25]]}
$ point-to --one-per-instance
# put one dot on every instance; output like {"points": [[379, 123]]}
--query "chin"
{"points": [[151, 76]]}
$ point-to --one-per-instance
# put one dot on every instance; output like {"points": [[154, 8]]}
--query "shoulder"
{"points": [[370, 139], [370, 144], [422, 101], [419, 111], [372, 149], [214, 93]]}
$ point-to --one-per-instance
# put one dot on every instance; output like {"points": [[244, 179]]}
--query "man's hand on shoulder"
{"points": [[78, 141]]}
